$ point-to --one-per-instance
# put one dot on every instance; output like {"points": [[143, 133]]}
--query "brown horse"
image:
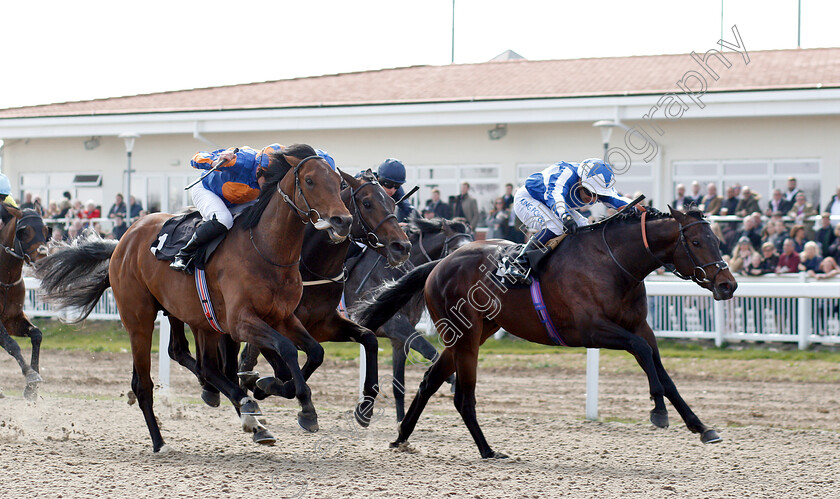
{"points": [[23, 239], [253, 279], [322, 268], [594, 294]]}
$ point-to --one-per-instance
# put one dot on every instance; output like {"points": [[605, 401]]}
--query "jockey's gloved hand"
{"points": [[569, 223]]}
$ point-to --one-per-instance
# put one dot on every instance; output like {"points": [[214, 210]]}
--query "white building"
{"points": [[751, 118]]}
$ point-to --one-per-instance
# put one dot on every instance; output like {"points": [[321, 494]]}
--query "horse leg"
{"points": [[692, 422], [10, 345], [343, 328], [254, 330], [434, 377], [179, 351], [35, 336], [420, 344], [140, 326], [612, 336], [398, 357], [229, 351]]}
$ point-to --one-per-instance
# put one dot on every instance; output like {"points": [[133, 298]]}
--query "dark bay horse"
{"points": [[23, 239], [323, 272], [430, 240], [594, 293], [253, 279]]}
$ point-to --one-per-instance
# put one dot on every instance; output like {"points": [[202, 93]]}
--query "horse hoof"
{"points": [[495, 455], [32, 377], [259, 394], [363, 413], [30, 393], [249, 407], [264, 437], [710, 437], [659, 419], [309, 422], [248, 379], [211, 398]]}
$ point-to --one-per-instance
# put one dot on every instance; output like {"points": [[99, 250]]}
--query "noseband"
{"points": [[371, 239], [699, 274]]}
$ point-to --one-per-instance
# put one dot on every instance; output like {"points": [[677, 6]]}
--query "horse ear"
{"points": [[15, 212], [350, 179], [677, 214]]}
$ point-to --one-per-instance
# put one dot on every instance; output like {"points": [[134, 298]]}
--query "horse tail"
{"points": [[376, 311], [76, 275]]}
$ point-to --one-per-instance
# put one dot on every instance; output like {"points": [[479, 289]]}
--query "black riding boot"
{"points": [[519, 268], [205, 233]]}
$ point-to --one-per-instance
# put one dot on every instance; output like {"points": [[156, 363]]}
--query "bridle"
{"points": [[304, 215], [370, 239], [17, 253], [698, 275], [445, 249]]}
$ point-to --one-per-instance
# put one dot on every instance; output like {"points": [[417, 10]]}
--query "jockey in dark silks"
{"points": [[236, 180], [391, 175]]}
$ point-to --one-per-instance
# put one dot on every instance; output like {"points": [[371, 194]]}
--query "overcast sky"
{"points": [[61, 51]]}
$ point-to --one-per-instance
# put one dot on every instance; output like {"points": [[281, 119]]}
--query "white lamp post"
{"points": [[606, 128], [129, 138]]}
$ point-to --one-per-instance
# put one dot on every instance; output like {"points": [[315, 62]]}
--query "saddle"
{"points": [[179, 229]]}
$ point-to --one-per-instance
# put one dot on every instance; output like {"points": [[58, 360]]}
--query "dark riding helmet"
{"points": [[392, 170]]}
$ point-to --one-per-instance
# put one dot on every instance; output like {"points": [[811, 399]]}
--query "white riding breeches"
{"points": [[536, 215], [210, 205]]}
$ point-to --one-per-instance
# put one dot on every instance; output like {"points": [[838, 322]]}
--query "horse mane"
{"points": [[278, 167], [435, 225], [5, 216]]}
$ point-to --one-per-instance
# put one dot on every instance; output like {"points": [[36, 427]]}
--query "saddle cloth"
{"points": [[178, 230]]}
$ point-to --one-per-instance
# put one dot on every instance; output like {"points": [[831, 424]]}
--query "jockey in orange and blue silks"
{"points": [[236, 180]]}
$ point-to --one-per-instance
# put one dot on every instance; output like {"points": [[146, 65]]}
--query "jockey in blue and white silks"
{"points": [[549, 203]]}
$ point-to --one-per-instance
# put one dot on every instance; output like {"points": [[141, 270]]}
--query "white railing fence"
{"points": [[790, 308]]}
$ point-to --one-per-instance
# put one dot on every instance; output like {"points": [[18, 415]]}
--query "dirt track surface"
{"points": [[82, 439]]}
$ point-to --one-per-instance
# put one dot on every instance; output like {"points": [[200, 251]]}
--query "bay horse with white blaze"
{"points": [[253, 280], [594, 296]]}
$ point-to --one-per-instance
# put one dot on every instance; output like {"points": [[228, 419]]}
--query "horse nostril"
{"points": [[400, 247]]}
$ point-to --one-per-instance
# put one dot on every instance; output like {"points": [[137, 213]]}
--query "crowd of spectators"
{"points": [[499, 219], [773, 237], [69, 218]]}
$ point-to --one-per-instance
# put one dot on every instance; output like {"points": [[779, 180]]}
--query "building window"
{"points": [[485, 183], [50, 187], [762, 176]]}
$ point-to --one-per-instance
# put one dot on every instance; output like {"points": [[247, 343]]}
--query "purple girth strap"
{"points": [[545, 320]]}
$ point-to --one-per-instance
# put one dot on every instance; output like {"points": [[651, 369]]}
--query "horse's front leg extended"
{"points": [[612, 336], [692, 422], [252, 329]]}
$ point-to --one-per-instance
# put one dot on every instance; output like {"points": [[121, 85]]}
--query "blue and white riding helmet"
{"points": [[597, 176], [326, 156]]}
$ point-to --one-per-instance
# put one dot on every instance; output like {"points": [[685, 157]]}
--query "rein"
{"points": [[699, 270], [445, 249]]}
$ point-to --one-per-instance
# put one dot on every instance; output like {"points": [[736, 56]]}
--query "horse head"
{"points": [[374, 222], [697, 255], [438, 237], [23, 234], [315, 191]]}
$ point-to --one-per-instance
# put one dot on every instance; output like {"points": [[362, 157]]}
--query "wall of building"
{"points": [[524, 144]]}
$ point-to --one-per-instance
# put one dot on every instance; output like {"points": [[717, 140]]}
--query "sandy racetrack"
{"points": [[82, 439]]}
